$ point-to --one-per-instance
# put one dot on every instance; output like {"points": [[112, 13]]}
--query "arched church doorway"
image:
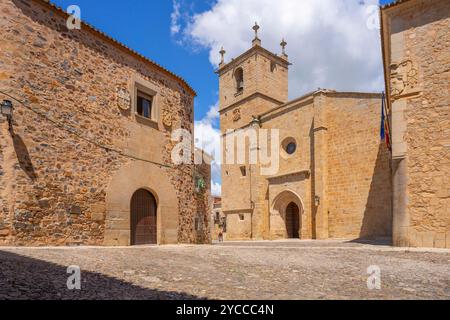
{"points": [[143, 218], [293, 221], [286, 216]]}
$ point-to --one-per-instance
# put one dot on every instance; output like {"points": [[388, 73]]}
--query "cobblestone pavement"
{"points": [[253, 270]]}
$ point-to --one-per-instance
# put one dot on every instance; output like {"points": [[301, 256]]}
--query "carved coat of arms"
{"points": [[123, 99], [404, 78], [236, 115]]}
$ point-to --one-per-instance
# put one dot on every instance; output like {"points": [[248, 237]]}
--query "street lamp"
{"points": [[317, 201], [7, 109]]}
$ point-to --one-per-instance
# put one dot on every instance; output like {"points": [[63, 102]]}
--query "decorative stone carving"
{"points": [[167, 118], [123, 99], [236, 115], [404, 78]]}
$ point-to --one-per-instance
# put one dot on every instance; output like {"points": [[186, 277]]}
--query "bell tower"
{"points": [[251, 84]]}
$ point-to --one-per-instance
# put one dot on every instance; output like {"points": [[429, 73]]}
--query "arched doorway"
{"points": [[286, 216], [292, 221], [143, 218]]}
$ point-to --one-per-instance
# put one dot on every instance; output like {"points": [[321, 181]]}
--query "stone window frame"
{"points": [[150, 89]]}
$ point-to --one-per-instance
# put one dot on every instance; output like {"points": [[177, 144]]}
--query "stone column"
{"points": [[257, 204], [400, 219], [320, 168]]}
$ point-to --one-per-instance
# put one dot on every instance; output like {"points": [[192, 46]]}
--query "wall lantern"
{"points": [[317, 201], [7, 109]]}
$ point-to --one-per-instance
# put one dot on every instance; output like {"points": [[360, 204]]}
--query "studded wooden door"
{"points": [[143, 218], [293, 221]]}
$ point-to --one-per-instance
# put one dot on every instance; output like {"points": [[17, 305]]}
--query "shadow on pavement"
{"points": [[375, 242], [24, 278]]}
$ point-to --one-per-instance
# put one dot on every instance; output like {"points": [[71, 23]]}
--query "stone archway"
{"points": [[130, 178], [286, 216]]}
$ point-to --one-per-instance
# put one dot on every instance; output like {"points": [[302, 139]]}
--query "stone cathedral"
{"points": [[334, 171]]}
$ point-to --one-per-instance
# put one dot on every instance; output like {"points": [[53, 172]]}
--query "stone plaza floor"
{"points": [[237, 270]]}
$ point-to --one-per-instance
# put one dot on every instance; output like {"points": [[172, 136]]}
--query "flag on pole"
{"points": [[385, 132]]}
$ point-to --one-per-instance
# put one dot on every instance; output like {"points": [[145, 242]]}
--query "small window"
{"points": [[273, 66], [144, 105], [241, 217], [239, 78], [291, 148], [243, 171]]}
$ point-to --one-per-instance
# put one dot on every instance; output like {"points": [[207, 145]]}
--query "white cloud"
{"points": [[216, 189], [175, 18], [329, 41], [207, 137]]}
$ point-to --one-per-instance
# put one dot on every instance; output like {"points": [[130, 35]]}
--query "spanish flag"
{"points": [[385, 131]]}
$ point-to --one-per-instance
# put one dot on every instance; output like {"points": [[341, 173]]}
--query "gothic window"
{"points": [[239, 78]]}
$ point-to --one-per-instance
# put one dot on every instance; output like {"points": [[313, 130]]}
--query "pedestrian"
{"points": [[221, 234]]}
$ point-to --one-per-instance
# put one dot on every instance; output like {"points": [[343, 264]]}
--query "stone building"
{"points": [[416, 48], [333, 178], [86, 158], [218, 219]]}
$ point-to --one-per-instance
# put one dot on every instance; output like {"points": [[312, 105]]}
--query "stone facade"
{"points": [[338, 178], [218, 219], [416, 47], [77, 150], [202, 182]]}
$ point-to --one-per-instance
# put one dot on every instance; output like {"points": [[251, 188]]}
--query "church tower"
{"points": [[251, 84]]}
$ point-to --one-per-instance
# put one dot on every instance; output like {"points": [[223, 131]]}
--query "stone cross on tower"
{"points": [[256, 41], [222, 54], [283, 45]]}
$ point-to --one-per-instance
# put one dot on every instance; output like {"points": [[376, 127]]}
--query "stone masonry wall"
{"points": [[203, 199], [359, 185], [52, 182], [420, 47]]}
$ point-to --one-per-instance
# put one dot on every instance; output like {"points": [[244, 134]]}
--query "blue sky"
{"points": [[145, 25], [328, 43]]}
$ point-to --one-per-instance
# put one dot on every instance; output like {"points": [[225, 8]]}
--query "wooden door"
{"points": [[143, 218], [293, 221]]}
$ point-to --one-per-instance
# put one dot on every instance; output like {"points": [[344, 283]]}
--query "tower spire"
{"points": [[283, 45], [256, 41], [222, 54]]}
